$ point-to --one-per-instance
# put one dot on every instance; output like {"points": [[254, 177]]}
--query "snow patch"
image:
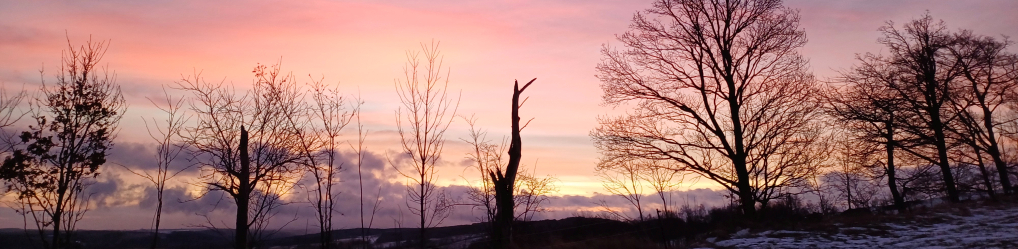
{"points": [[983, 227]]}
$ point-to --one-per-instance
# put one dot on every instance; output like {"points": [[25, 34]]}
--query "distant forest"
{"points": [[713, 91]]}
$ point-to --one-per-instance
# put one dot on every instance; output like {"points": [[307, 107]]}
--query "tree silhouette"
{"points": [[325, 119], [168, 149], [75, 124], [247, 146], [919, 58], [870, 111], [989, 75], [422, 121], [362, 135], [486, 157], [624, 180], [504, 182], [719, 90], [530, 192], [630, 179]]}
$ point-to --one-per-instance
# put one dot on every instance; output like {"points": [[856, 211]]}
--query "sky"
{"points": [[362, 45]]}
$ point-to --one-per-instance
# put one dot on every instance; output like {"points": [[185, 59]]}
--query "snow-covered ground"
{"points": [[982, 227]]}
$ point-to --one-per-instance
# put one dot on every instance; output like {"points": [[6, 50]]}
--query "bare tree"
{"points": [[969, 157], [75, 124], [422, 121], [919, 58], [826, 194], [168, 149], [487, 157], [870, 111], [504, 181], [662, 180], [720, 91], [531, 193], [362, 135], [328, 115], [623, 180], [989, 73], [849, 177], [246, 145]]}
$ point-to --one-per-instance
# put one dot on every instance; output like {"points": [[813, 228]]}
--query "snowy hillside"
{"points": [[950, 227]]}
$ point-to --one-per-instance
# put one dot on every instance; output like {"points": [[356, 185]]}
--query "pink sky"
{"points": [[362, 44]]}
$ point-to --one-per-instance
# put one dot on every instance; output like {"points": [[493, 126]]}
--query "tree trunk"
{"points": [[325, 207], [422, 240], [748, 202], [848, 188], [503, 216], [55, 242], [244, 193], [504, 184], [159, 212], [739, 158], [58, 213], [994, 151], [892, 180], [941, 143], [1002, 171], [985, 173]]}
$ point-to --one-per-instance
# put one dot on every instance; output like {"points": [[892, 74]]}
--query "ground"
{"points": [[958, 226]]}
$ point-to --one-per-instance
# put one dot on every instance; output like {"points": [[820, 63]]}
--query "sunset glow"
{"points": [[361, 46]]}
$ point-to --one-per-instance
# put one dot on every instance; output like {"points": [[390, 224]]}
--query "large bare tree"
{"points": [[422, 121], [246, 145], [719, 89], [75, 123], [989, 74], [504, 181], [870, 111], [919, 58]]}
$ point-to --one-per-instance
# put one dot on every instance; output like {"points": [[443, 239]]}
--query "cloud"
{"points": [[142, 158], [179, 200], [109, 190], [20, 35], [569, 205], [379, 180]]}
